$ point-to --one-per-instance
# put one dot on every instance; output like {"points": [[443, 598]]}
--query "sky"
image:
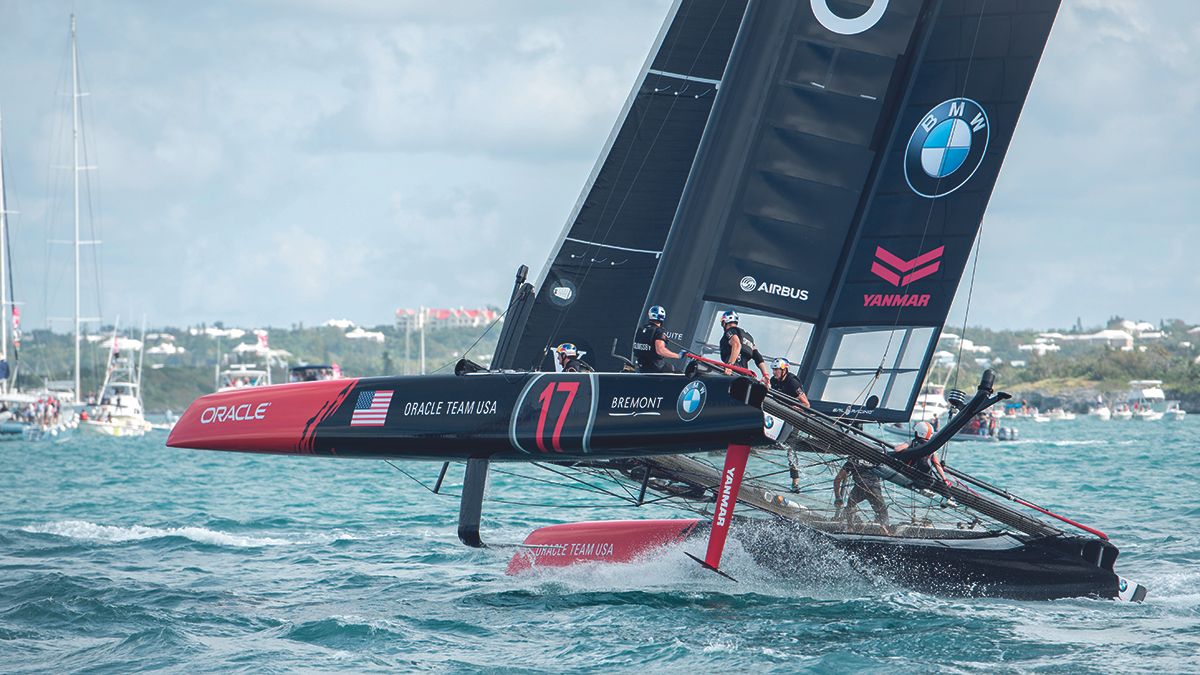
{"points": [[277, 162]]}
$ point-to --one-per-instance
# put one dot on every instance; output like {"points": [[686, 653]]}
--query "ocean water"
{"points": [[118, 556]]}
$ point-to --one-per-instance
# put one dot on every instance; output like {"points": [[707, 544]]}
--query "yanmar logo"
{"points": [[912, 270], [900, 272], [245, 412], [723, 504]]}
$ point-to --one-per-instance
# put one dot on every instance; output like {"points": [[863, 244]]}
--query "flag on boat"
{"points": [[371, 408]]}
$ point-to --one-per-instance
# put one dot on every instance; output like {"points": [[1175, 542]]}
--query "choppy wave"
{"points": [[82, 529]]}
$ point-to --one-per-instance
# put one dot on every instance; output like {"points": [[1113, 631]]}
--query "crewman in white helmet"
{"points": [[930, 464], [737, 346]]}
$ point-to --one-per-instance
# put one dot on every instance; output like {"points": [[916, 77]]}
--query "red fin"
{"points": [[727, 493]]}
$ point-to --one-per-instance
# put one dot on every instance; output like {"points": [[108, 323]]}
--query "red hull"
{"points": [[608, 541]]}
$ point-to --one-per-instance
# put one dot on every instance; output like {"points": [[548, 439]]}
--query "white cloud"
{"points": [[261, 163]]}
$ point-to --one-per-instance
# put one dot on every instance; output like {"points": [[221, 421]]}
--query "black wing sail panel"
{"points": [[842, 181], [917, 229], [594, 286], [786, 165]]}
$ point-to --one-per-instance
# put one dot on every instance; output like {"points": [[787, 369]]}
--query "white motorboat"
{"points": [[241, 376], [1100, 412], [119, 409], [1146, 400], [931, 404], [1174, 412]]}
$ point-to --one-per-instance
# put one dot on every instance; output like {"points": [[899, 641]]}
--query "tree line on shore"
{"points": [[1077, 372]]}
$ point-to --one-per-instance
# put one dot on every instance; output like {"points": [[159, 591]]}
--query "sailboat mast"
{"points": [[75, 165]]}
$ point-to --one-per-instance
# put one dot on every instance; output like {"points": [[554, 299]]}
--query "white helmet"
{"points": [[729, 316], [567, 349], [657, 313], [923, 430], [781, 364]]}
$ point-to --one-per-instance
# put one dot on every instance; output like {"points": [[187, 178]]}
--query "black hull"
{"points": [[998, 565]]}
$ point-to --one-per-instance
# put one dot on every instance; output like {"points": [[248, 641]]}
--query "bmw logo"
{"points": [[748, 283], [691, 401], [946, 148], [1124, 585]]}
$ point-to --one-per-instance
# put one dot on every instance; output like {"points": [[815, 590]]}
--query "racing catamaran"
{"points": [[824, 173]]}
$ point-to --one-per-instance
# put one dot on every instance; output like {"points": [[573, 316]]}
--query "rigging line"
{"points": [[588, 488], [594, 488], [476, 342], [557, 506], [929, 211], [413, 478], [93, 210], [967, 310], [606, 474], [52, 186]]}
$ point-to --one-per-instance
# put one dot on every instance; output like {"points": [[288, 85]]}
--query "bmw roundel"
{"points": [[691, 401], [946, 147]]}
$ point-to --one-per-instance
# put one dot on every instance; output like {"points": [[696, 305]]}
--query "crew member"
{"points": [[783, 380], [867, 487], [650, 344], [786, 382], [568, 358], [929, 464], [737, 347]]}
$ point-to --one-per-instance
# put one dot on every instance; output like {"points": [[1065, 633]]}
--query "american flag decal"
{"points": [[371, 408]]}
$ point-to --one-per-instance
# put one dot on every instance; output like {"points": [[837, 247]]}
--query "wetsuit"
{"points": [[788, 384], [647, 357], [576, 365], [749, 351], [868, 488], [922, 464]]}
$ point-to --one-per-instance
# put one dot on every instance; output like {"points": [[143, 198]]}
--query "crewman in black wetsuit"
{"points": [[929, 464], [867, 487], [568, 358], [650, 344], [737, 347], [786, 382]]}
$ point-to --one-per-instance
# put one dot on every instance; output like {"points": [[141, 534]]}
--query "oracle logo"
{"points": [[245, 412]]}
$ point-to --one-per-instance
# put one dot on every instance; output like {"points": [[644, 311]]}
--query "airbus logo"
{"points": [[749, 284], [946, 147]]}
